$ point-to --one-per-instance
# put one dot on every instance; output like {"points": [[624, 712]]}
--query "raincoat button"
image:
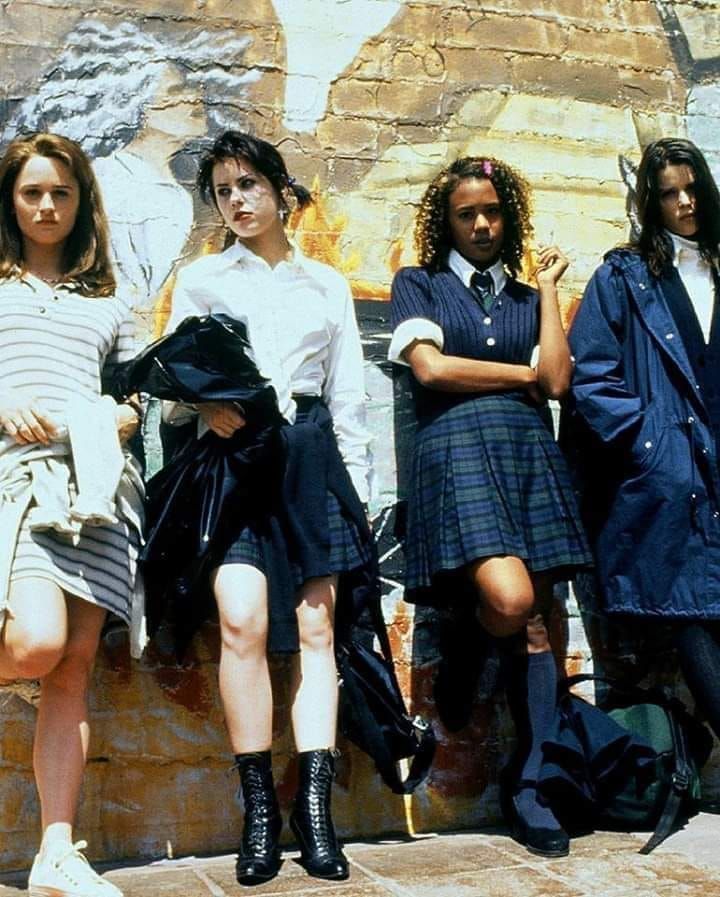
{"points": [[669, 335], [691, 419], [648, 444], [490, 341]]}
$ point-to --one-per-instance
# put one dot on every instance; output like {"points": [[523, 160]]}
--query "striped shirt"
{"points": [[54, 344]]}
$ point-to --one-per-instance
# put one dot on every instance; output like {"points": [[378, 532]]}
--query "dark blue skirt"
{"points": [[488, 480], [346, 547], [346, 551]]}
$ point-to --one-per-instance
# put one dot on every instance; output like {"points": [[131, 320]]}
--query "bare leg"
{"points": [[33, 638], [314, 719], [505, 592], [63, 731], [314, 686], [241, 595]]}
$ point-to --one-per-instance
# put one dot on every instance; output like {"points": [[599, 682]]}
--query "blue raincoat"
{"points": [[644, 442]]}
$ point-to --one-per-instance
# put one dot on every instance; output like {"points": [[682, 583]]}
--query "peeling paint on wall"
{"points": [[366, 99]]}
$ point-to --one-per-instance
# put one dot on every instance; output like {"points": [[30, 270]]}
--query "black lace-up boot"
{"points": [[310, 819], [259, 853]]}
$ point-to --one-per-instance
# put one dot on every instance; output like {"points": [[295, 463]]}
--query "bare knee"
{"points": [[243, 630], [316, 632], [34, 654], [504, 613], [241, 595], [316, 618]]}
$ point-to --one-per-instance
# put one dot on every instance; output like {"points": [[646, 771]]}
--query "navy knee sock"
{"points": [[539, 713]]}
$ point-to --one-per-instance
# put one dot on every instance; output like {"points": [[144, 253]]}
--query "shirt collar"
{"points": [[239, 253], [460, 266], [683, 249]]}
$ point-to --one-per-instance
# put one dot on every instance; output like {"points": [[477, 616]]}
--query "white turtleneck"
{"points": [[697, 278]]}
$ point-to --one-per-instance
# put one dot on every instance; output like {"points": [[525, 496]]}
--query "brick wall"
{"points": [[366, 99]]}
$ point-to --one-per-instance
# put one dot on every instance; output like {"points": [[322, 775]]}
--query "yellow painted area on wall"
{"points": [[568, 91]]}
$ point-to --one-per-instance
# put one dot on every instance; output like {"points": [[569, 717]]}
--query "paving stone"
{"points": [[464, 864]]}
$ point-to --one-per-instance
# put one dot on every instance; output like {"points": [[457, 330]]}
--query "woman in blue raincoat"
{"points": [[646, 398]]}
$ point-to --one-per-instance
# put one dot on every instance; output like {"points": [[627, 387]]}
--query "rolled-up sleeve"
{"points": [[410, 314]]}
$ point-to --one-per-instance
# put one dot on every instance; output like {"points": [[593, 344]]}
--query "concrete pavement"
{"points": [[464, 864]]}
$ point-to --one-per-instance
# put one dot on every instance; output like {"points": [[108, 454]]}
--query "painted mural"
{"points": [[366, 99]]}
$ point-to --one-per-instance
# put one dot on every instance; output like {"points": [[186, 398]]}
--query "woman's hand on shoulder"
{"points": [[550, 267], [223, 418], [24, 420]]}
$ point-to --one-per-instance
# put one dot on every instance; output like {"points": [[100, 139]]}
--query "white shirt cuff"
{"points": [[411, 330]]}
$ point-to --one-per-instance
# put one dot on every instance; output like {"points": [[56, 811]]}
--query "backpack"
{"points": [[373, 716], [372, 711], [660, 793]]}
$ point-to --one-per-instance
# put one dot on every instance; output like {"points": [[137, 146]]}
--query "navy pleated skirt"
{"points": [[347, 550], [488, 480]]}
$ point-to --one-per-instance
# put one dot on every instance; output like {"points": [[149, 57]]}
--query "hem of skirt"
{"points": [[423, 593], [659, 615], [76, 593]]}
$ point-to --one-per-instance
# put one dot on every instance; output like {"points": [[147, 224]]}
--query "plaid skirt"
{"points": [[346, 551], [489, 480]]}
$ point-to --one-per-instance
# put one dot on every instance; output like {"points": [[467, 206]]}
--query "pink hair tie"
{"points": [[487, 167]]}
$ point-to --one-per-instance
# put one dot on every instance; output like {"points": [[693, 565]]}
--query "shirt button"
{"points": [[490, 341], [669, 335], [642, 286], [42, 311], [487, 320], [704, 451], [691, 419], [716, 514], [648, 444]]}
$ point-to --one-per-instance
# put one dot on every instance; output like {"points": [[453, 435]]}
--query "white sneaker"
{"points": [[60, 870]]}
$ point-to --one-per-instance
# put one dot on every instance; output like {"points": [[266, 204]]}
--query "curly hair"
{"points": [[652, 242], [433, 240]]}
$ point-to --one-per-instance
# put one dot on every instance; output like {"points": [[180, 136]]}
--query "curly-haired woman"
{"points": [[490, 503]]}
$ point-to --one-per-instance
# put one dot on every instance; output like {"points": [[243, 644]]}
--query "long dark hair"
{"points": [[262, 156], [433, 240], [86, 257], [653, 243]]}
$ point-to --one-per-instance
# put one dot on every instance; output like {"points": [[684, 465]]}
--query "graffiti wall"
{"points": [[366, 99]]}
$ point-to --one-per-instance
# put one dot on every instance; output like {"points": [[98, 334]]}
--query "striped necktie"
{"points": [[484, 286]]}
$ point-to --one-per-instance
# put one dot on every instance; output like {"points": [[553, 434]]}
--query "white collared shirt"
{"points": [[464, 269], [697, 278], [301, 325]]}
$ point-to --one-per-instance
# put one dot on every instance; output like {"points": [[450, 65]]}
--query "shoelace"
{"points": [[257, 835], [74, 850], [321, 828]]}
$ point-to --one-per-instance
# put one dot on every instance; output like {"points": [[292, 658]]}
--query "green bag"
{"points": [[669, 789]]}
